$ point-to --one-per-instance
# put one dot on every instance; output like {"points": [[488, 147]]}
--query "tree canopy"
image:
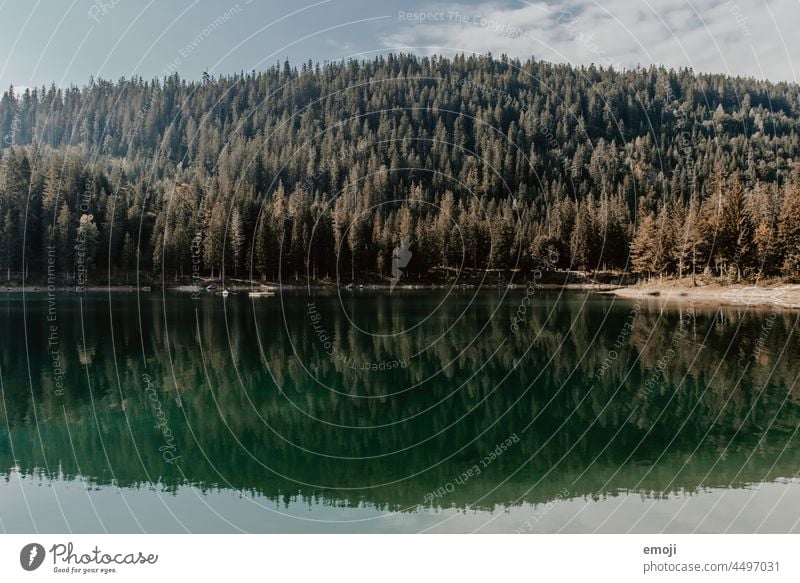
{"points": [[483, 162]]}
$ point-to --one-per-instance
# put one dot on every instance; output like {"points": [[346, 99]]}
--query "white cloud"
{"points": [[740, 37]]}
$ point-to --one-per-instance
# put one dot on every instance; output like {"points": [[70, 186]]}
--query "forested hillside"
{"points": [[482, 162]]}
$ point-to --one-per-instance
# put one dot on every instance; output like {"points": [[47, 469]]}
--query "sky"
{"points": [[69, 41]]}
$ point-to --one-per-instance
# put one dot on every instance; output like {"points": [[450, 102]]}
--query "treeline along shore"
{"points": [[488, 165]]}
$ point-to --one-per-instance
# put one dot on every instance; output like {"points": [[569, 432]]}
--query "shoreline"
{"points": [[785, 296], [273, 287], [780, 295]]}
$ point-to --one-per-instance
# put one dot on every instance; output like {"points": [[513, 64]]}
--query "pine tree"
{"points": [[86, 242], [789, 230], [264, 251], [213, 246], [236, 239], [763, 209], [645, 248], [128, 257], [582, 241], [737, 228]]}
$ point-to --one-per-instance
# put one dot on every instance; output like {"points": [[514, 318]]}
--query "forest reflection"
{"points": [[391, 400]]}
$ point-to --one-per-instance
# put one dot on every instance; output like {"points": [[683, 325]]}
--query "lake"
{"points": [[412, 411]]}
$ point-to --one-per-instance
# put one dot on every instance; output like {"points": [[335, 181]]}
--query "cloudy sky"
{"points": [[68, 41]]}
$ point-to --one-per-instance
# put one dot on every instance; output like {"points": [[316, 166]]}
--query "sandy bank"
{"points": [[782, 296]]}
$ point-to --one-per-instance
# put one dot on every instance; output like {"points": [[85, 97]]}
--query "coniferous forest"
{"points": [[318, 171]]}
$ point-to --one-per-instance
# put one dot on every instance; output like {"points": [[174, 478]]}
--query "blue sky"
{"points": [[67, 41]]}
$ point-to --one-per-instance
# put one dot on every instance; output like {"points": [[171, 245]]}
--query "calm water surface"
{"points": [[403, 412]]}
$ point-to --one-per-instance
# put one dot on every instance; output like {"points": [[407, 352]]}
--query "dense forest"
{"points": [[484, 163]]}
